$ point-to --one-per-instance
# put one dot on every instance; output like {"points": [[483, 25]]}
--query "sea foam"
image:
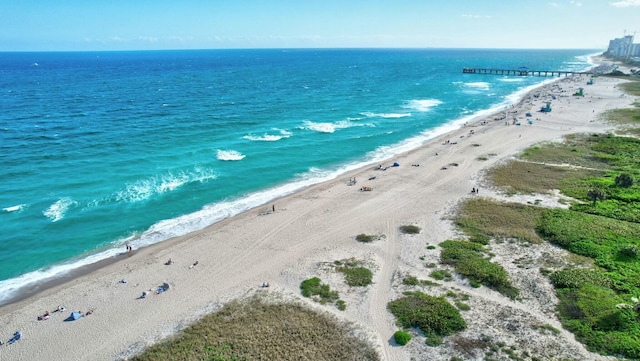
{"points": [[229, 155], [144, 189], [15, 208], [269, 137], [422, 105], [58, 209]]}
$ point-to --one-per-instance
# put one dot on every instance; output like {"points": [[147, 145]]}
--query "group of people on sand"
{"points": [[47, 314], [475, 190], [170, 262]]}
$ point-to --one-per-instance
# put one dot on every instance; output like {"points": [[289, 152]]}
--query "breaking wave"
{"points": [[228, 155]]}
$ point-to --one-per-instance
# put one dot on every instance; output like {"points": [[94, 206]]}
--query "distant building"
{"points": [[623, 48]]}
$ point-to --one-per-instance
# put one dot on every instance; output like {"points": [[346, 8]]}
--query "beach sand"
{"points": [[319, 224]]}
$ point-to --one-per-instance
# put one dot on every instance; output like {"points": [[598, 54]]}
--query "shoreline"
{"points": [[414, 143], [313, 224]]}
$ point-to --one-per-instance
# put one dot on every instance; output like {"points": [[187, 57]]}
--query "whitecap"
{"points": [[146, 188], [15, 208], [478, 85], [320, 127], [57, 210], [229, 155], [386, 115], [326, 127], [269, 137], [423, 105]]}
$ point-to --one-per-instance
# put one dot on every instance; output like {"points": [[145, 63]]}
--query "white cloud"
{"points": [[625, 3], [576, 3]]}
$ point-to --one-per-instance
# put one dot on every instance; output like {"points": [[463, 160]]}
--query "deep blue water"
{"points": [[102, 148]]}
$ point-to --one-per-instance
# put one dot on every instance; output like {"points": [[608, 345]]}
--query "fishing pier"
{"points": [[522, 72]]}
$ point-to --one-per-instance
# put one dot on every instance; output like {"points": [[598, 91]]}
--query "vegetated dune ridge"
{"points": [[319, 225]]}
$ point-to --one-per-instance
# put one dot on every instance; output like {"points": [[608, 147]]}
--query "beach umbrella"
{"points": [[75, 315]]}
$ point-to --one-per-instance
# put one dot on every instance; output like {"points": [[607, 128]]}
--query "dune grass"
{"points": [[483, 219], [258, 329], [598, 305]]}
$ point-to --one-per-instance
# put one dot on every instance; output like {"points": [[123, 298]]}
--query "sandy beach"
{"points": [[319, 224]]}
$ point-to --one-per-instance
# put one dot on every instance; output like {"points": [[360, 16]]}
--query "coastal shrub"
{"points": [[357, 276], [432, 315], [367, 238], [410, 229], [578, 277], [624, 180], [483, 219], [432, 339], [410, 281], [462, 306], [441, 275], [401, 337], [469, 261], [314, 288], [259, 329], [631, 251]]}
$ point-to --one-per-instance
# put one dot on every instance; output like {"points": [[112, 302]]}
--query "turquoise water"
{"points": [[98, 149]]}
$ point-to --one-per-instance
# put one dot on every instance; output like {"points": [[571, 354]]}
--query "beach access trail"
{"points": [[319, 224]]}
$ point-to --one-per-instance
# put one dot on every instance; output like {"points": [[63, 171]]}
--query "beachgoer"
{"points": [[273, 208], [473, 190], [169, 262]]}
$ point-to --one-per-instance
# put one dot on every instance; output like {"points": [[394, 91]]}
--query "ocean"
{"points": [[101, 149]]}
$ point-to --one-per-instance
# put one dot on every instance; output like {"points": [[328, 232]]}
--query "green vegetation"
{"points": [[462, 306], [602, 225], [255, 329], [410, 229], [414, 281], [318, 291], [368, 238], [468, 259], [504, 221], [441, 275], [354, 273], [410, 281], [357, 276], [435, 316], [401, 337]]}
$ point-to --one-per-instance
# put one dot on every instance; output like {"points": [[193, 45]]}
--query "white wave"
{"points": [[15, 208], [229, 155], [146, 188], [423, 105], [478, 85], [57, 210], [11, 287], [269, 137], [386, 115], [320, 127]]}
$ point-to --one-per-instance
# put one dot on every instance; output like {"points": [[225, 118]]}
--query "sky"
{"points": [[96, 25]]}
